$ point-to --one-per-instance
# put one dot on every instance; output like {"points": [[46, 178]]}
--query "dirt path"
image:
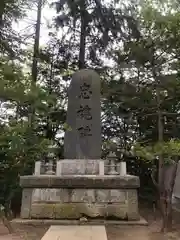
{"points": [[127, 233], [10, 237], [5, 236], [113, 232], [138, 233], [152, 232]]}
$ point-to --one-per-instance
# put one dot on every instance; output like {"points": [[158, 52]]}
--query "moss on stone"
{"points": [[67, 210], [43, 210], [77, 210]]}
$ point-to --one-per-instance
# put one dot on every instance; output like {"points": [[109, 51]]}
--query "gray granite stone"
{"points": [[79, 167], [26, 202], [73, 167], [81, 181], [83, 134], [132, 200], [83, 195], [43, 211], [77, 210], [105, 195], [102, 195], [77, 189], [118, 210], [50, 195], [120, 203], [118, 196]]}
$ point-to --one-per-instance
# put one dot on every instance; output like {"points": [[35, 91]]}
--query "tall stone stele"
{"points": [[83, 134], [79, 187]]}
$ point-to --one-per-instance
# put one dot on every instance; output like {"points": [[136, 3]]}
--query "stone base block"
{"points": [[81, 166], [71, 197], [92, 203], [78, 210], [80, 195], [94, 221], [81, 181]]}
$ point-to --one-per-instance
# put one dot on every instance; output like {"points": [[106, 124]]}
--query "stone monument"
{"points": [[81, 185], [83, 136]]}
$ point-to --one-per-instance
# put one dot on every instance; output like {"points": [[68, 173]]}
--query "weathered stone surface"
{"points": [[72, 167], [79, 195], [43, 211], [132, 200], [75, 232], [26, 202], [118, 196], [50, 195], [77, 210], [124, 206], [79, 166], [104, 195], [117, 210], [83, 135], [67, 211], [93, 210], [78, 189], [86, 182], [82, 166], [83, 195]]}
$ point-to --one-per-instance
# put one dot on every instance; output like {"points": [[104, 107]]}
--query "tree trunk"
{"points": [[36, 43], [166, 176], [169, 175], [48, 128], [34, 71], [83, 35], [5, 221]]}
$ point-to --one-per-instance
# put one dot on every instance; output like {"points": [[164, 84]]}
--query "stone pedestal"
{"points": [[81, 167], [81, 195], [81, 186]]}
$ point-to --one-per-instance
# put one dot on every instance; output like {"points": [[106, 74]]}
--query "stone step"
{"points": [[75, 233]]}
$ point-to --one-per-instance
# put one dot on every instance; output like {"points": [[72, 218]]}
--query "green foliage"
{"points": [[142, 44], [17, 156], [169, 150], [11, 10]]}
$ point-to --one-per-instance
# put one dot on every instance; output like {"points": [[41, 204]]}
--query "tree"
{"points": [[169, 151], [91, 27], [156, 114], [11, 11], [34, 73]]}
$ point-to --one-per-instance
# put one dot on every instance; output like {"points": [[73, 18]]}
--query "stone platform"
{"points": [[76, 196], [75, 233], [81, 166], [60, 222]]}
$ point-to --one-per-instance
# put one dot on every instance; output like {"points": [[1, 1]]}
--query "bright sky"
{"points": [[25, 26]]}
